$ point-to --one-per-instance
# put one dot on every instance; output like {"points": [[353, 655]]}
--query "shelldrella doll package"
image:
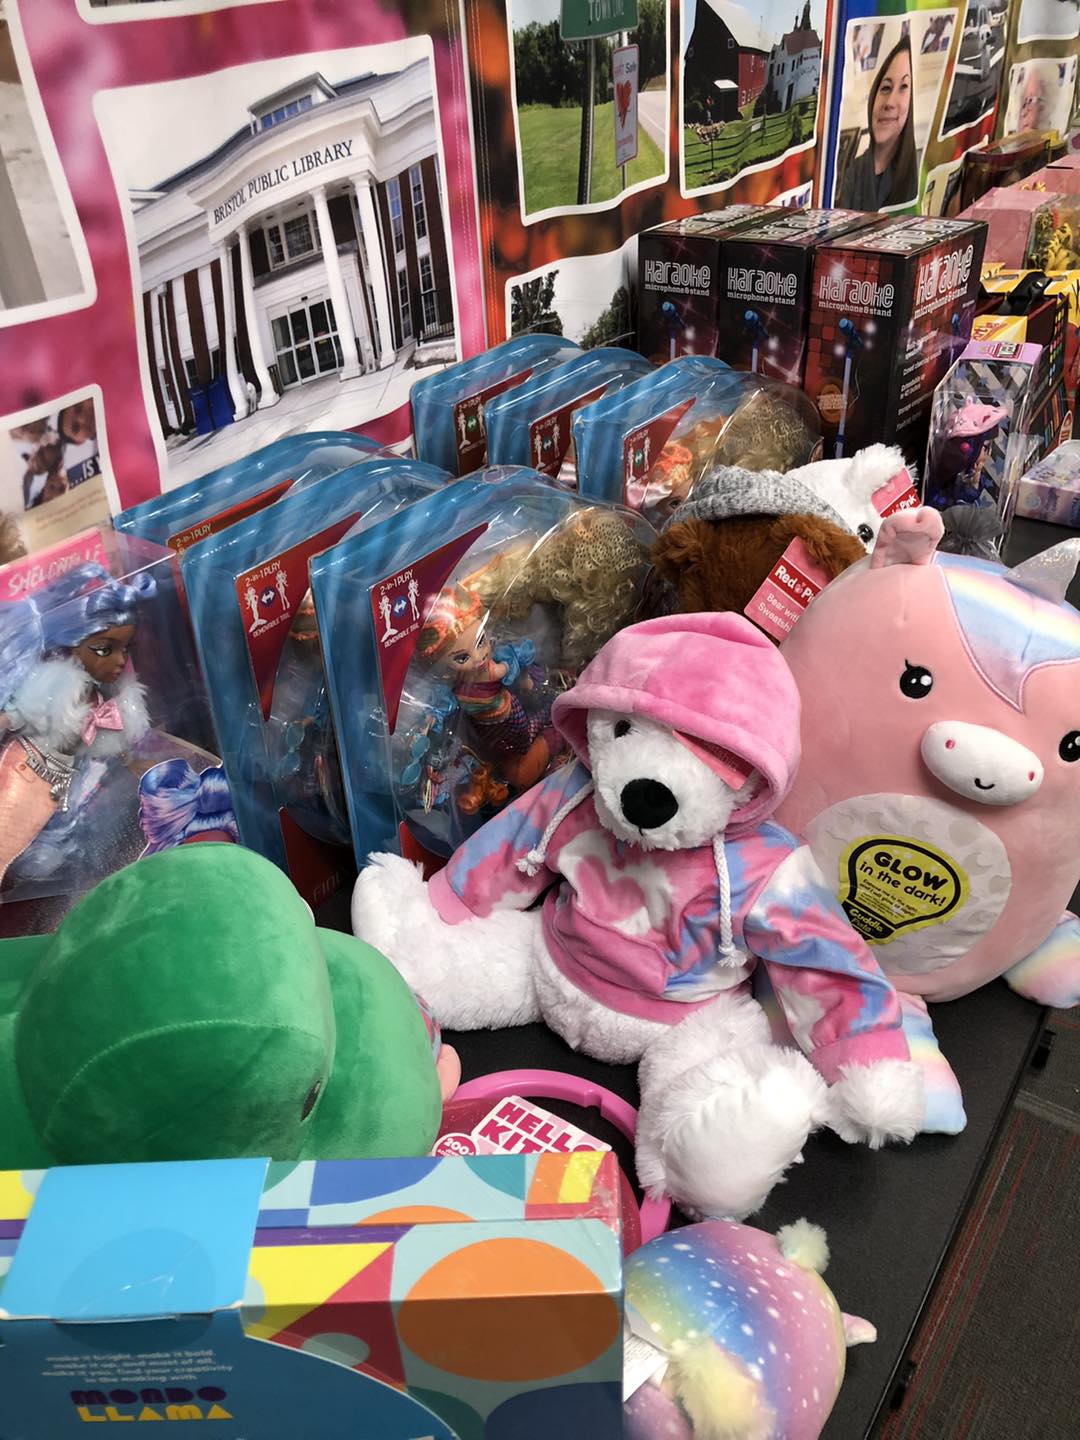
{"points": [[530, 425], [448, 631], [248, 592], [646, 445], [202, 507], [103, 715], [448, 408]]}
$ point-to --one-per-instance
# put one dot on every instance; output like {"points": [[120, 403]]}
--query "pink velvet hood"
{"points": [[711, 676]]}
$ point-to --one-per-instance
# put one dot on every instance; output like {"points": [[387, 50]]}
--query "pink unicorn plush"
{"points": [[939, 791]]}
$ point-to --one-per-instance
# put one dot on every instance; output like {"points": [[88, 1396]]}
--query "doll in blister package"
{"points": [[497, 647], [772, 427], [500, 692], [957, 470], [69, 702]]}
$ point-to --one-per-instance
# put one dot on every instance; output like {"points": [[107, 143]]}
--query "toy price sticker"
{"points": [[470, 436], [783, 596], [549, 435], [517, 1127], [890, 883], [896, 494]]}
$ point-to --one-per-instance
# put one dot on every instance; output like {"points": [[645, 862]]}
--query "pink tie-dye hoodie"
{"points": [[642, 930]]}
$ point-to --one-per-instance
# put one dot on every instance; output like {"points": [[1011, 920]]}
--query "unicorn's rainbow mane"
{"points": [[1009, 629]]}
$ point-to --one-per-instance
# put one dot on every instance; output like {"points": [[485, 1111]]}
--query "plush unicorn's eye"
{"points": [[622, 727], [916, 682], [865, 534], [1069, 749]]}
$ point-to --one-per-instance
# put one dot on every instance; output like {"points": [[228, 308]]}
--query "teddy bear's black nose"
{"points": [[647, 803]]}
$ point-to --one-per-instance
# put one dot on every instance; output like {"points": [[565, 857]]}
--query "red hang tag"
{"points": [[782, 598], [896, 494], [399, 606]]}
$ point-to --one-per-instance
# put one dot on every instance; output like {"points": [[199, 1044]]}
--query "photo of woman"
{"points": [[886, 173]]}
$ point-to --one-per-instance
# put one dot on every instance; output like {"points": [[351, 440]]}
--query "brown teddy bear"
{"points": [[718, 547]]}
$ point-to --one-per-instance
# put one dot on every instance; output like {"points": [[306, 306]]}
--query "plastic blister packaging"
{"points": [[647, 446], [979, 444], [248, 590], [99, 685], [530, 425], [448, 631], [202, 507], [448, 408]]}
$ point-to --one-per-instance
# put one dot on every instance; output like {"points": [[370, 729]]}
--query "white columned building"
{"points": [[333, 198]]}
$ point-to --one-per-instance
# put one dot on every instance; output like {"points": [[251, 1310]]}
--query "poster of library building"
{"points": [[297, 274]]}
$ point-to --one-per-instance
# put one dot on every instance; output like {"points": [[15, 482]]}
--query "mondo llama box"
{"points": [[891, 310], [428, 1299]]}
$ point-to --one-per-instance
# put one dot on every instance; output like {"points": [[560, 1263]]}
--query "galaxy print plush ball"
{"points": [[754, 1340]]}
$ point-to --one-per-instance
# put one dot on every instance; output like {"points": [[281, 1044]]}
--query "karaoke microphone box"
{"points": [[764, 300], [891, 309], [679, 275]]}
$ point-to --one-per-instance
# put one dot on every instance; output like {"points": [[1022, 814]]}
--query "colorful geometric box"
{"points": [[426, 1299]]}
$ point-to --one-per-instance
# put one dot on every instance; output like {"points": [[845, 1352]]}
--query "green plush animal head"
{"points": [[188, 1007]]}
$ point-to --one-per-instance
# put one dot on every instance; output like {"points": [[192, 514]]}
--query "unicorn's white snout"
{"points": [[981, 764]]}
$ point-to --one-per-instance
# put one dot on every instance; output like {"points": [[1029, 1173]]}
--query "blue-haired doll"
{"points": [[179, 805], [69, 702]]}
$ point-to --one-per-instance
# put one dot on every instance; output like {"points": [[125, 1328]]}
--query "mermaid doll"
{"points": [[69, 702], [496, 691]]}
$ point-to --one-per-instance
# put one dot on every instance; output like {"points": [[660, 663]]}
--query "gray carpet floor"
{"points": [[998, 1353]]}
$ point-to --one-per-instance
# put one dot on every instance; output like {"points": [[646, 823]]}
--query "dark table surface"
{"points": [[890, 1215]]}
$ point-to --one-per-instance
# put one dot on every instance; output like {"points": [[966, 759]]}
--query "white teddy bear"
{"points": [[849, 485], [666, 883]]}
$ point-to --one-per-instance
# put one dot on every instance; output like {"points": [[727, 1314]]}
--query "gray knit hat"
{"points": [[729, 490]]}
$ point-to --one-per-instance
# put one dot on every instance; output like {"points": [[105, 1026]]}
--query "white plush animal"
{"points": [[666, 882], [850, 485]]}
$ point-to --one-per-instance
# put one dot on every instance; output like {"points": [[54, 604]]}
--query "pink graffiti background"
{"points": [[73, 60]]}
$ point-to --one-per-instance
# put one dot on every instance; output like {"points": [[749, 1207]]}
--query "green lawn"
{"points": [[550, 146]]}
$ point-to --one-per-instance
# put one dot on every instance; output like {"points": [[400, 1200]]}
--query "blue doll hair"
{"points": [[61, 615], [176, 802]]}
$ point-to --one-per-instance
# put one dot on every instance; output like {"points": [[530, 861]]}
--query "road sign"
{"points": [[624, 81], [588, 19]]}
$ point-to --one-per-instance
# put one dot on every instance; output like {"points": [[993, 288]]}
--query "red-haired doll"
{"points": [[489, 686]]}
